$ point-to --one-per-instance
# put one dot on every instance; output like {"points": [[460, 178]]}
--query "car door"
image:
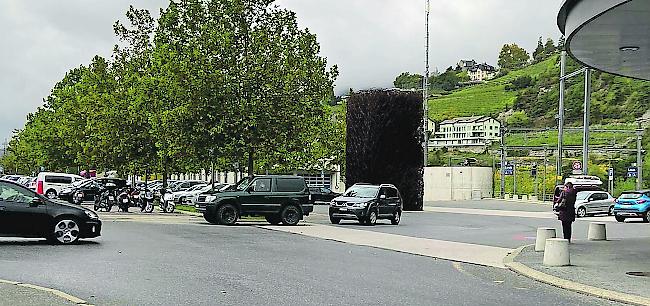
{"points": [[19, 216], [384, 201], [394, 201], [257, 197], [603, 202]]}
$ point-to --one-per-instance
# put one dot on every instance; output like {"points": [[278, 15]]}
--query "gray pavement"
{"points": [[12, 295], [602, 264], [493, 204], [508, 232], [137, 263]]}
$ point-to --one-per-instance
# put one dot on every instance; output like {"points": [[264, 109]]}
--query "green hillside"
{"points": [[490, 98]]}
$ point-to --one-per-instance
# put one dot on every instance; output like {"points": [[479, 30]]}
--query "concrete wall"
{"points": [[457, 183]]}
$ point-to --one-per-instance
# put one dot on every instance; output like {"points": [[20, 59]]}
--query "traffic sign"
{"points": [[632, 172], [509, 170], [610, 174], [577, 165], [533, 171]]}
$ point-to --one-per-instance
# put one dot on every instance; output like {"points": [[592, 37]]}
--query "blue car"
{"points": [[633, 204]]}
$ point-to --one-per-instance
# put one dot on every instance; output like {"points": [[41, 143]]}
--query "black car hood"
{"points": [[352, 199], [66, 204]]}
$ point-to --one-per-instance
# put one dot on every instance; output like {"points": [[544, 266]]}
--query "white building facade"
{"points": [[481, 72], [467, 131]]}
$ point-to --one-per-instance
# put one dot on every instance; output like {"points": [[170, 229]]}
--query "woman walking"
{"points": [[566, 207]]}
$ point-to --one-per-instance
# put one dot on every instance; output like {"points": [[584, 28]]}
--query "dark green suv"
{"points": [[280, 199]]}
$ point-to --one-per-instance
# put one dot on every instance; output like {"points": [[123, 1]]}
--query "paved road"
{"points": [[190, 262]]}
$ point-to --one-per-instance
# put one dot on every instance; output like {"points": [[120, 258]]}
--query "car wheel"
{"points": [[212, 219], [371, 220], [291, 215], [646, 217], [620, 219], [397, 217], [273, 219], [170, 208], [50, 194], [65, 231], [335, 220], [611, 211], [227, 214], [582, 212]]}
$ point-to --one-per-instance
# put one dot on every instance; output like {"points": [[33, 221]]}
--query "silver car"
{"points": [[594, 202]]}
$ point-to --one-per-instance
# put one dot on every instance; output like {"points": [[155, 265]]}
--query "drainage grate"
{"points": [[639, 274]]}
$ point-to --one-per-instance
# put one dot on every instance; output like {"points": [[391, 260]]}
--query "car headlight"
{"points": [[210, 198], [91, 214]]}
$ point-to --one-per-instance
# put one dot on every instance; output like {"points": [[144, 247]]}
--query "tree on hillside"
{"points": [[561, 43], [513, 57], [409, 81], [518, 119], [447, 81], [549, 47], [539, 51]]}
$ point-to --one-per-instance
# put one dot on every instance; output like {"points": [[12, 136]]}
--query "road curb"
{"points": [[58, 293], [522, 269]]}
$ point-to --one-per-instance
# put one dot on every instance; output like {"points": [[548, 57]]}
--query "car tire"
{"points": [[227, 214], [273, 219], [620, 219], [581, 212], [212, 219], [65, 230], [335, 220], [397, 217], [371, 220], [646, 217], [291, 215], [51, 194]]}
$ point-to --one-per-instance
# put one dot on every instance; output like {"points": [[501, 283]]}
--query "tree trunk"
{"points": [[251, 169]]}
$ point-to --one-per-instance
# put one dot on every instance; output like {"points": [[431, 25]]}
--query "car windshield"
{"points": [[630, 196], [197, 187], [243, 183], [362, 192]]}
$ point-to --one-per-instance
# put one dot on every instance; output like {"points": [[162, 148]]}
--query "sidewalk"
{"points": [[11, 295], [599, 264]]}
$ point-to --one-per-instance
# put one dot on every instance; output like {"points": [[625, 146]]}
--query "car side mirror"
{"points": [[35, 202], [383, 196]]}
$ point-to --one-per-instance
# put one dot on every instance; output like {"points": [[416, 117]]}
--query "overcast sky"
{"points": [[371, 41]]}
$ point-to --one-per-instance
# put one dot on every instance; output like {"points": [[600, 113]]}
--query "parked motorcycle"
{"points": [[166, 205], [124, 199], [107, 198], [145, 200]]}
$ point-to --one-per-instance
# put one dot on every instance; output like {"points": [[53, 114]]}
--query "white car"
{"points": [[594, 202], [179, 196], [189, 199], [50, 183]]}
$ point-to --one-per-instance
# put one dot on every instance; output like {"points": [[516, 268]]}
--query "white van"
{"points": [[50, 183]]}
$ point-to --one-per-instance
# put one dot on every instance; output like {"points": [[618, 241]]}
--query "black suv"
{"points": [[23, 213], [367, 203], [280, 199]]}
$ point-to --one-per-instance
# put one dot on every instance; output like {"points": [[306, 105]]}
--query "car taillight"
{"points": [[39, 187]]}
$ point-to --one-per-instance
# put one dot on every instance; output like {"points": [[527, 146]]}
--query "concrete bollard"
{"points": [[534, 198], [556, 253], [524, 197], [507, 196], [543, 233], [597, 231]]}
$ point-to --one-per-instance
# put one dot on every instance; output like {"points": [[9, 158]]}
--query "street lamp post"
{"points": [[425, 87]]}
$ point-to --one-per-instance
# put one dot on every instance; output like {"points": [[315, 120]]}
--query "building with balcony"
{"points": [[467, 132]]}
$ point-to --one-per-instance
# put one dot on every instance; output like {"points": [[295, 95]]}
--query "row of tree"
{"points": [[211, 82]]}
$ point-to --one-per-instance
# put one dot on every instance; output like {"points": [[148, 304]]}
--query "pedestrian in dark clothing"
{"points": [[566, 207]]}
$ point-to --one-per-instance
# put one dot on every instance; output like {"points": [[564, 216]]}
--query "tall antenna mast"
{"points": [[425, 88]]}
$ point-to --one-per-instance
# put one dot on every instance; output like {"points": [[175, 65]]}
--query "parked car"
{"points": [[578, 188], [24, 213], [322, 194], [50, 184], [191, 195], [594, 202], [179, 196], [367, 204], [280, 199], [633, 204]]}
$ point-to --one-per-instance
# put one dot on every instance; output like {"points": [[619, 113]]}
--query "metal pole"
{"points": [[514, 177], [503, 162], [544, 178], [585, 139], [536, 182], [560, 124], [425, 89], [639, 158]]}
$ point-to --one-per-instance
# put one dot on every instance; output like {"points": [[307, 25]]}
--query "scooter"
{"points": [[106, 199], [166, 205], [124, 199], [145, 200]]}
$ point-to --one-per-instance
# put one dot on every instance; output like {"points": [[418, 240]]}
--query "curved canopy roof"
{"points": [[609, 35]]}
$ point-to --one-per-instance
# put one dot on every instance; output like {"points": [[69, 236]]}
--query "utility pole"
{"points": [[585, 138], [514, 177], [425, 88], [639, 157], [560, 119], [544, 178], [503, 161]]}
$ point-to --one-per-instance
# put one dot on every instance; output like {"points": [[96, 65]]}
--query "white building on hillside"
{"points": [[467, 132], [481, 72]]}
